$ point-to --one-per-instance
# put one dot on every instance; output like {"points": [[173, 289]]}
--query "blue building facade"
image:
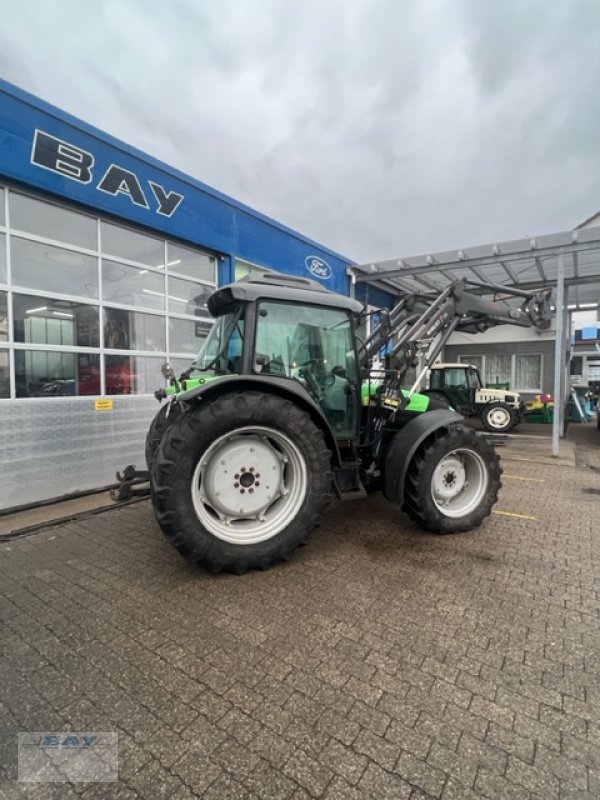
{"points": [[51, 151]]}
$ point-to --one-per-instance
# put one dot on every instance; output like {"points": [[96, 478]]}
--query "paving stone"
{"points": [[227, 788], [459, 766], [421, 774], [273, 748], [234, 758], [370, 718], [309, 773], [345, 762], [339, 789], [211, 705], [482, 754], [165, 746], [306, 737], [535, 779], [408, 739], [493, 786], [302, 707], [154, 782], [377, 749], [438, 731], [268, 783], [454, 790], [425, 663], [379, 784], [241, 726], [196, 771], [568, 770]]}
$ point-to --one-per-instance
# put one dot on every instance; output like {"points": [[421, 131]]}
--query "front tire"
{"points": [[240, 482], [452, 481], [498, 418]]}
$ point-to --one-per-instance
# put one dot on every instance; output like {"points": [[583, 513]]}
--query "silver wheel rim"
{"points": [[249, 485], [498, 417], [459, 483]]}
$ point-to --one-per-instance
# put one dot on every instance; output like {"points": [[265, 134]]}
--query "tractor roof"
{"points": [[273, 286]]}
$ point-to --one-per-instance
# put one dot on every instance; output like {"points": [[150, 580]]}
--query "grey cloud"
{"points": [[380, 129]]}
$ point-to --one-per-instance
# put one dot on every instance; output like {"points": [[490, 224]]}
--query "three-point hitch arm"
{"points": [[459, 307]]}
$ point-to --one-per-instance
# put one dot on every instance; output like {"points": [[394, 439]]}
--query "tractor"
{"points": [[461, 386], [282, 409]]}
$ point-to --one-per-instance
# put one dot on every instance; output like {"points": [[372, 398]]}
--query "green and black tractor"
{"points": [[282, 410]]}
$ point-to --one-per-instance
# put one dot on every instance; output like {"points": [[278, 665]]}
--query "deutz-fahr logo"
{"points": [[72, 162], [317, 267]]}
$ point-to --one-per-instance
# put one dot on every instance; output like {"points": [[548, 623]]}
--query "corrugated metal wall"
{"points": [[52, 448]]}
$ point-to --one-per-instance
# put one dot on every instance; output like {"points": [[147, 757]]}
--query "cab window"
{"points": [[315, 346]]}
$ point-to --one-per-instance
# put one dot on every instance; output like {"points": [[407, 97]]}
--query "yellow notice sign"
{"points": [[104, 404]]}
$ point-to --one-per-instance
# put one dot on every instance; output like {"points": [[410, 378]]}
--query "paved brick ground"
{"points": [[380, 662]]}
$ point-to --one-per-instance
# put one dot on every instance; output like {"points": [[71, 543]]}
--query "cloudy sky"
{"points": [[381, 129]]}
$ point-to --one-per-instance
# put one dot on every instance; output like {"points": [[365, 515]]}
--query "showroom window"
{"points": [[47, 320], [4, 352], [2, 258], [132, 246], [132, 286], [4, 374], [51, 222], [3, 317], [52, 269], [92, 307], [523, 373]]}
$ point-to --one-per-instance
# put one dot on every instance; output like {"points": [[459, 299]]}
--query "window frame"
{"points": [[99, 302], [468, 359]]}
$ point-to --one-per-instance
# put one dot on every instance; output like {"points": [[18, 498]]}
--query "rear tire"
{"points": [[163, 420], [240, 482], [452, 481], [498, 418]]}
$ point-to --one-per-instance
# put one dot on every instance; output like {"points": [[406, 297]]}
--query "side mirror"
{"points": [[167, 372]]}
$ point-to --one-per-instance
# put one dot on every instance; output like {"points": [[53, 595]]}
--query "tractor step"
{"points": [[347, 482], [358, 493]]}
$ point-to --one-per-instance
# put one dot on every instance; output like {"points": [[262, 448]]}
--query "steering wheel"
{"points": [[312, 384]]}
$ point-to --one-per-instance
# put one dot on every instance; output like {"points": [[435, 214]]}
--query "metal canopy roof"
{"points": [[524, 263], [569, 262]]}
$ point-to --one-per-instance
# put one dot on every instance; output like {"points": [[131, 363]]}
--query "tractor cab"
{"points": [[290, 329], [457, 382]]}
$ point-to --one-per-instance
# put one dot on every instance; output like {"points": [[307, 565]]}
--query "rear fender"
{"points": [[284, 387], [405, 444]]}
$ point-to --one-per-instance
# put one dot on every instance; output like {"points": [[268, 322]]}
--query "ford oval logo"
{"points": [[317, 267]]}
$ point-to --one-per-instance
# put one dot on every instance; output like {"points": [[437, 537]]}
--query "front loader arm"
{"points": [[459, 307]]}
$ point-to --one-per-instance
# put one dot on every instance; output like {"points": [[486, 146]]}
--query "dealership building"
{"points": [[107, 258]]}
